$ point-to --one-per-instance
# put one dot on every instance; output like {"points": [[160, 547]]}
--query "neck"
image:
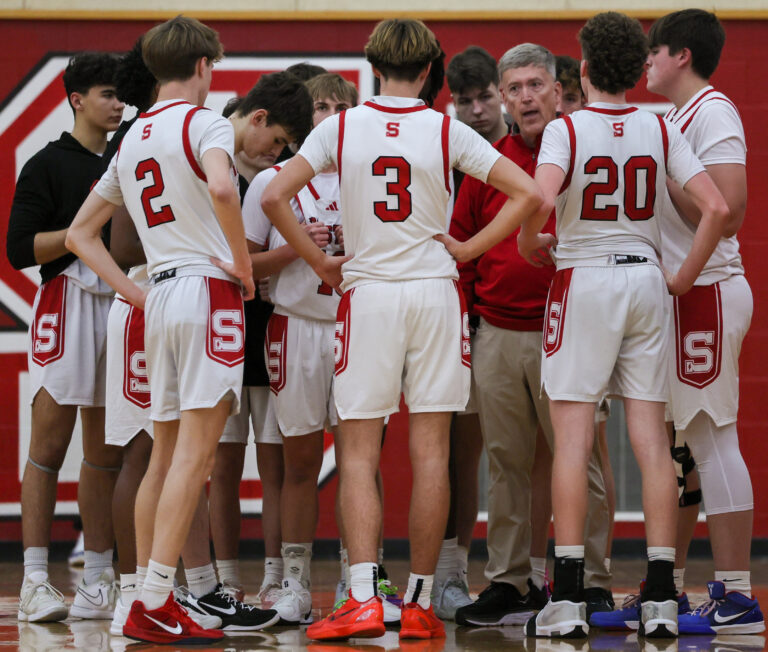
{"points": [[181, 90], [594, 95], [399, 88], [239, 123], [92, 138], [499, 131], [685, 88]]}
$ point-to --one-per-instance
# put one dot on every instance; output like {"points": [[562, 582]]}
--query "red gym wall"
{"points": [[26, 43]]}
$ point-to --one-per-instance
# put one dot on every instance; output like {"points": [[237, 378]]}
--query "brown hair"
{"points": [[331, 84], [401, 48], [172, 49]]}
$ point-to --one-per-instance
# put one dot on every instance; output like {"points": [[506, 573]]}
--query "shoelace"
{"points": [[632, 600], [231, 599], [340, 603], [48, 587], [706, 608], [385, 587], [456, 582]]}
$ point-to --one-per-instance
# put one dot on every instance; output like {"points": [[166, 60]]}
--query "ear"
{"points": [[376, 72], [202, 62], [76, 100], [583, 68], [684, 58], [425, 73], [259, 117], [558, 91]]}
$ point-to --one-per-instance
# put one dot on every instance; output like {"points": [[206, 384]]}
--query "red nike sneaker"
{"points": [[351, 618], [417, 622], [168, 624]]}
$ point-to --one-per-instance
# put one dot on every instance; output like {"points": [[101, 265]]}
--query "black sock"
{"points": [[569, 580], [659, 582]]}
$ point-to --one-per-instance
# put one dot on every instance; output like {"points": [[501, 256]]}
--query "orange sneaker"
{"points": [[351, 618], [417, 622]]}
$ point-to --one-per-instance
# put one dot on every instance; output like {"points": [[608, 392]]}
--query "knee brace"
{"points": [[44, 469], [109, 469], [684, 464]]}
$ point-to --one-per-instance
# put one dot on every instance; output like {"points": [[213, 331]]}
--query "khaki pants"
{"points": [[506, 366]]}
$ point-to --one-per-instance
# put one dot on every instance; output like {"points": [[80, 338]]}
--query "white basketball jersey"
{"points": [[710, 122], [616, 159], [394, 157], [157, 173]]}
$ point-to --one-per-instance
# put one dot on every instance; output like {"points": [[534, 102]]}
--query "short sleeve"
{"points": [[555, 146], [470, 152], [718, 135], [108, 187], [209, 130], [682, 164], [256, 222], [321, 146]]}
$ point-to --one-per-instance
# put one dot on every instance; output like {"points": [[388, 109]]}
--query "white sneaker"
{"points": [[392, 610], [561, 619], [76, 558], [97, 600], [39, 602], [207, 621], [342, 593], [119, 617], [268, 594], [658, 619], [449, 596], [294, 604]]}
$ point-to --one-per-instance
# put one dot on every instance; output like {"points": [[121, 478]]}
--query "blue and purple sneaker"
{"points": [[627, 617], [724, 613]]}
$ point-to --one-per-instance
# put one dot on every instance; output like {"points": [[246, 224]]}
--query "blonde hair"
{"points": [[332, 85], [172, 49], [401, 48]]}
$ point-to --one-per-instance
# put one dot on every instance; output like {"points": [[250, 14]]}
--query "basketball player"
{"points": [[186, 216], [400, 320], [67, 341], [606, 167]]}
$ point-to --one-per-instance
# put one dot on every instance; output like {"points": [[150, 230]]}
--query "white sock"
{"points": [[157, 585], [607, 564], [273, 571], [201, 580], [363, 581], [679, 575], [447, 562], [36, 561], [539, 571], [344, 560], [296, 558], [128, 590], [141, 575], [229, 571], [735, 581], [380, 556], [661, 553], [95, 564], [419, 590], [462, 561], [569, 552]]}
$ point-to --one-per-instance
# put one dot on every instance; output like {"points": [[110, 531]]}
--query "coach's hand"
{"points": [[242, 272], [536, 250], [319, 233], [329, 270], [455, 248]]}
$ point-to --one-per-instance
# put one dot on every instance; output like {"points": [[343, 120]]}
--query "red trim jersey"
{"points": [[500, 286], [711, 124], [616, 159], [158, 174], [296, 290], [394, 156]]}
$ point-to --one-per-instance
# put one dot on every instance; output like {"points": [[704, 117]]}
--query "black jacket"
{"points": [[52, 186]]}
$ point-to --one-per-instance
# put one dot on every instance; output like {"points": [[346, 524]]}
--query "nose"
{"points": [[477, 106]]}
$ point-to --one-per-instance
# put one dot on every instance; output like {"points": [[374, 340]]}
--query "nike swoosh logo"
{"points": [[728, 619], [170, 630], [228, 611], [337, 616], [165, 577], [92, 598]]}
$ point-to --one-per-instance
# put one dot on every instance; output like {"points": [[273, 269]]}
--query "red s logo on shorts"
{"points": [[226, 326], [341, 340], [277, 328], [699, 335], [48, 327], [554, 317], [135, 377], [466, 346]]}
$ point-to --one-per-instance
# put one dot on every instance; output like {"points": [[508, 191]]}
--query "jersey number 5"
{"points": [[634, 168], [397, 188], [155, 189]]}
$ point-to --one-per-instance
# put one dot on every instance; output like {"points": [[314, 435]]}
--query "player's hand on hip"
{"points": [[536, 249], [329, 270], [454, 247], [264, 290], [675, 286], [319, 233], [139, 297], [242, 272]]}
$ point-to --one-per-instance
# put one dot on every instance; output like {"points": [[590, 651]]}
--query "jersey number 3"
{"points": [[634, 168], [397, 188], [164, 213]]}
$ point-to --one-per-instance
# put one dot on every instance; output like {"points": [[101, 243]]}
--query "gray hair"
{"points": [[528, 54]]}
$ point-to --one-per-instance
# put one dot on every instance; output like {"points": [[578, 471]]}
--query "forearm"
{"points": [[683, 204], [125, 245], [49, 245], [266, 263], [281, 215], [228, 213], [708, 234]]}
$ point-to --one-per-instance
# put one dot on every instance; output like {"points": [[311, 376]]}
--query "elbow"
{"points": [[71, 240], [15, 258], [269, 201], [222, 191], [733, 223], [721, 214]]}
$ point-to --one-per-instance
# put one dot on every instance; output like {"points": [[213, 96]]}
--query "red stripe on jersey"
{"points": [[711, 99], [341, 142], [696, 103], [188, 146], [572, 142], [314, 192], [629, 109], [444, 142], [161, 109], [298, 201], [664, 139], [396, 109], [277, 167]]}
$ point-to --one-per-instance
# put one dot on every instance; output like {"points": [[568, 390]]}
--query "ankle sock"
{"points": [[679, 576], [296, 559], [273, 571], [364, 580], [157, 585], [539, 571], [735, 581], [447, 562], [128, 589], [569, 577], [462, 563], [419, 590], [228, 571], [95, 564], [36, 561], [201, 580]]}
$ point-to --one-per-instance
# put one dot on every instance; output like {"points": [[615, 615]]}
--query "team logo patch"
{"points": [[226, 326], [277, 336], [554, 318], [699, 335], [135, 378], [341, 341], [466, 347], [48, 336]]}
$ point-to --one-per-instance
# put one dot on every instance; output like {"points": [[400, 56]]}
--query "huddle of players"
{"points": [[185, 412]]}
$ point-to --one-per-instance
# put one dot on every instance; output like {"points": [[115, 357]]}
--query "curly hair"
{"points": [[568, 72], [134, 84], [88, 69], [615, 49], [698, 30]]}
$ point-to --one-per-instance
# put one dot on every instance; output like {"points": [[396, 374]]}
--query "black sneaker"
{"points": [[235, 615], [499, 604], [537, 597], [598, 600]]}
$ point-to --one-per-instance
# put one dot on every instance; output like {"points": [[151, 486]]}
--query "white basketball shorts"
{"points": [[128, 398], [257, 409], [402, 335], [68, 343], [709, 325], [194, 336], [606, 332], [300, 361]]}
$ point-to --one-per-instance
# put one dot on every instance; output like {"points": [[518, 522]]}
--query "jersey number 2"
{"points": [[632, 170], [397, 188], [164, 213]]}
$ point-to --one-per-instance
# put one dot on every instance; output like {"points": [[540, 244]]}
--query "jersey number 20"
{"points": [[633, 168], [164, 213]]}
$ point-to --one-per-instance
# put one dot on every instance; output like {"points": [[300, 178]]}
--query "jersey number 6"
{"points": [[164, 213], [397, 188]]}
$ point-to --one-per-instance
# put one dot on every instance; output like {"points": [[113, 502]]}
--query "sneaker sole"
{"points": [[116, 630], [91, 614], [167, 639], [421, 634], [745, 628], [661, 629], [571, 629], [252, 628], [516, 618], [356, 630], [54, 615]]}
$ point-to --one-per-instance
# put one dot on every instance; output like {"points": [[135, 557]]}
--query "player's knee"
{"points": [[49, 453], [50, 470]]}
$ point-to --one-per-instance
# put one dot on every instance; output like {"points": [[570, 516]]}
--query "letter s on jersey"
{"points": [[618, 129], [393, 129], [698, 347], [227, 336]]}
